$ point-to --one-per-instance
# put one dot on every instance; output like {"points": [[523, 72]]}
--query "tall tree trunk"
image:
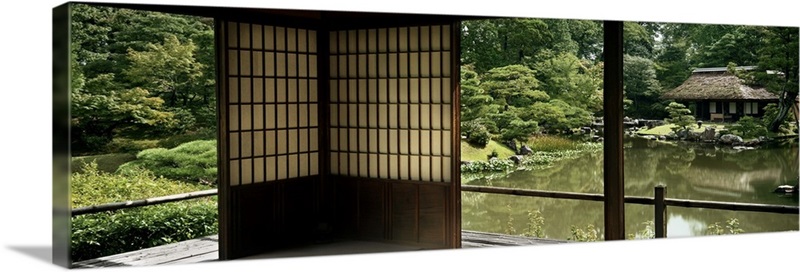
{"points": [[785, 104]]}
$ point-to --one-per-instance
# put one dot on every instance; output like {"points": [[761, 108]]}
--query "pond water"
{"points": [[689, 171]]}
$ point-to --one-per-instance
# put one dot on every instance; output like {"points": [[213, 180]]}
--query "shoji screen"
{"points": [[269, 137], [390, 134], [272, 103], [390, 103]]}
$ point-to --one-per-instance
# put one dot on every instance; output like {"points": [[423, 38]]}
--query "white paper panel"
{"points": [[302, 40], [410, 88], [425, 38], [403, 35], [282, 118], [247, 144], [446, 117], [342, 139], [393, 65], [258, 169], [393, 39], [304, 164], [280, 38], [425, 64], [291, 37], [446, 63], [446, 169], [404, 116], [234, 172], [269, 64], [271, 144], [414, 141], [413, 35], [353, 115], [342, 42], [373, 140], [393, 92], [312, 66], [292, 64], [247, 171], [383, 115], [258, 90], [436, 169], [352, 66], [352, 41], [436, 41], [334, 163], [353, 139], [363, 140], [342, 91], [282, 141], [280, 64], [294, 165], [283, 164], [244, 63], [233, 90], [244, 93], [373, 162], [446, 143], [362, 40], [292, 115], [269, 38], [312, 86], [258, 37], [363, 165], [233, 62], [403, 64], [445, 37], [393, 171], [244, 35], [383, 141], [271, 168], [258, 117], [414, 168], [436, 64], [270, 119], [293, 140], [383, 161], [414, 65], [414, 118], [258, 143], [404, 141], [425, 168], [436, 116], [303, 115], [446, 91], [233, 117], [313, 136], [362, 91], [425, 142], [302, 63], [393, 116], [333, 66], [372, 65], [436, 143], [343, 164], [314, 163], [383, 65], [404, 171], [258, 63], [232, 37], [353, 163], [393, 144], [425, 116], [233, 145], [382, 40]]}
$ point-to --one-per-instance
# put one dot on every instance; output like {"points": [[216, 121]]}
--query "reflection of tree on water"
{"points": [[690, 171]]}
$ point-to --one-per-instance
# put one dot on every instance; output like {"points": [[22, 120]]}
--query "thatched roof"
{"points": [[715, 85]]}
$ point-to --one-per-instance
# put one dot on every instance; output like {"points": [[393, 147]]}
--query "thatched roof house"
{"points": [[718, 94]]}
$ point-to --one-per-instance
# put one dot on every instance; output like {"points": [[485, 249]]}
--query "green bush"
{"points": [[731, 227], [495, 165], [590, 234], [103, 234], [107, 233], [176, 140], [548, 143], [125, 145], [748, 127], [477, 134], [193, 161]]}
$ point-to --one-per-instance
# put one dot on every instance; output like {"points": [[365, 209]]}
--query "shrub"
{"points": [[495, 165], [176, 140], [680, 116], [748, 127], [731, 227], [103, 234], [125, 145], [192, 161], [549, 143], [590, 234], [107, 233], [535, 225], [648, 232], [477, 134]]}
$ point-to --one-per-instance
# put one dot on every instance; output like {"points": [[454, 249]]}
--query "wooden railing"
{"points": [[660, 202], [142, 202]]}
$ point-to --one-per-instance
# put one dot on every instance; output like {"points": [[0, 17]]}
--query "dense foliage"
{"points": [[107, 233], [138, 74], [193, 161]]}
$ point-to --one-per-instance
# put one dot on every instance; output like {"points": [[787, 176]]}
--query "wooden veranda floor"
{"points": [[205, 250]]}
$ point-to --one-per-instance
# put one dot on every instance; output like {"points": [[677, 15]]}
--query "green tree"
{"points": [[680, 116], [641, 87], [474, 100], [778, 69], [519, 130], [569, 78], [513, 85]]}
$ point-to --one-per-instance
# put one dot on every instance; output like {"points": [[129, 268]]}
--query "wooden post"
{"points": [[660, 211], [613, 188]]}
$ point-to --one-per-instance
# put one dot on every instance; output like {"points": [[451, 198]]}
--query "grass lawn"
{"points": [[107, 162], [475, 153]]}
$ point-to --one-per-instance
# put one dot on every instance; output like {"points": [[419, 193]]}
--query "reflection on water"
{"points": [[690, 171]]}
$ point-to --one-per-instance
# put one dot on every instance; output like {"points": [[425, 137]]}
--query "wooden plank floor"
{"points": [[205, 250]]}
